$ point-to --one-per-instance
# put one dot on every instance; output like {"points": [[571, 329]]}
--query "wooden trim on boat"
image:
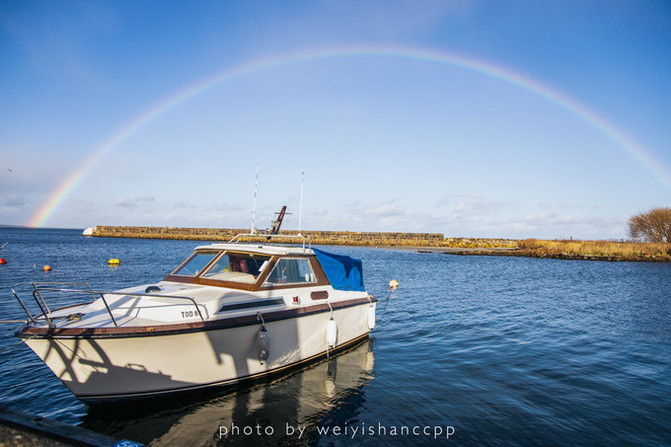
{"points": [[319, 295], [228, 284], [260, 280], [181, 328]]}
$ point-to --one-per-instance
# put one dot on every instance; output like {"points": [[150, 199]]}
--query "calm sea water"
{"points": [[490, 350]]}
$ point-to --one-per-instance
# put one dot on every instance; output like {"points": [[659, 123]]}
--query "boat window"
{"points": [[291, 271], [195, 264], [238, 267]]}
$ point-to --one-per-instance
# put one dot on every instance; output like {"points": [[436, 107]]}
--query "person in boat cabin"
{"points": [[244, 265]]}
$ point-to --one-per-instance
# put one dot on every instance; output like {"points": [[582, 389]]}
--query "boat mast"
{"points": [[300, 210], [256, 186]]}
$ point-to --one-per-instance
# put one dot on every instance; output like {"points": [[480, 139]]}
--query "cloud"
{"points": [[390, 209], [553, 225], [232, 207], [13, 201], [184, 205], [451, 198], [569, 206], [476, 216], [464, 206], [134, 202], [554, 219]]}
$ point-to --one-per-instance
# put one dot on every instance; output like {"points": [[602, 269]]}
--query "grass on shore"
{"points": [[469, 242], [608, 250], [570, 249]]}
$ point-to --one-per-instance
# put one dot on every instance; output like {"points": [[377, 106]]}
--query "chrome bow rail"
{"points": [[39, 288], [258, 235]]}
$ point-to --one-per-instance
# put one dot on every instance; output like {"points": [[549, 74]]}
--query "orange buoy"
{"points": [[3, 261], [46, 268]]}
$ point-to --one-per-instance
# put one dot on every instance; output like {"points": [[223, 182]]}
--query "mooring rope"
{"points": [[386, 303], [17, 343]]}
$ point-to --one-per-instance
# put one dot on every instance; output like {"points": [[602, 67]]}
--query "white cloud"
{"points": [[184, 205], [13, 201], [389, 209], [464, 206], [134, 202], [554, 219]]}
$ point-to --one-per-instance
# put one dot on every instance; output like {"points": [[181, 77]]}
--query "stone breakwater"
{"points": [[373, 239], [424, 242]]}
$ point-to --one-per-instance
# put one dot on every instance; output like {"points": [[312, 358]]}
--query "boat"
{"points": [[231, 312]]}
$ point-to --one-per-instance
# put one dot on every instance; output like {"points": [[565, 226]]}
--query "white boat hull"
{"points": [[110, 367]]}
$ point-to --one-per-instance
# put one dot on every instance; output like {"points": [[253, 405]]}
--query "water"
{"points": [[499, 351]]}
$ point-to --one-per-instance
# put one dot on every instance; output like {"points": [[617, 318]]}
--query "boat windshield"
{"points": [[291, 271], [238, 267], [196, 263]]}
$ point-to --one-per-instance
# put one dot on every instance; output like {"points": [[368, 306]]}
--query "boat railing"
{"points": [[241, 236], [38, 290]]}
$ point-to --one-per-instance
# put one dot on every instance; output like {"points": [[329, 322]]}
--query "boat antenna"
{"points": [[300, 210], [256, 186]]}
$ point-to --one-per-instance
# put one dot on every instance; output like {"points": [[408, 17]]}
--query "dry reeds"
{"points": [[602, 250]]}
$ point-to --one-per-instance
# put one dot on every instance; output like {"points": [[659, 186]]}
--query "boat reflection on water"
{"points": [[286, 411]]}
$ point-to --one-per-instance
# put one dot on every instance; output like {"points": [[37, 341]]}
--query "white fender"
{"points": [[331, 333], [371, 317]]}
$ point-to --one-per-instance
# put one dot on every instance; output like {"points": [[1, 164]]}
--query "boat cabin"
{"points": [[259, 267]]}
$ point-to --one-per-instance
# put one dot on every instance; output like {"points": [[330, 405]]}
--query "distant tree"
{"points": [[653, 226]]}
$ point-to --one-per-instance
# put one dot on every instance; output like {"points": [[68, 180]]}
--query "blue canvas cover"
{"points": [[343, 272]]}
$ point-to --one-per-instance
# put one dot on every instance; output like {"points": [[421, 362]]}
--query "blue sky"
{"points": [[544, 119]]}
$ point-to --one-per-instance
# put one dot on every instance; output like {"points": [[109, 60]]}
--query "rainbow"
{"points": [[69, 184]]}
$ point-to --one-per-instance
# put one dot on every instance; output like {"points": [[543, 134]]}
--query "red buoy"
{"points": [[3, 261]]}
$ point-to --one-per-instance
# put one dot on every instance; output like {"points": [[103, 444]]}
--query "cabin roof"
{"points": [[271, 250]]}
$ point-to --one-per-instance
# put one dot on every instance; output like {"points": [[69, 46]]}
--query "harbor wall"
{"points": [[434, 242], [316, 237]]}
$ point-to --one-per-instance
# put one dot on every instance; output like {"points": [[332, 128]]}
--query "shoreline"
{"points": [[540, 254], [611, 251]]}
